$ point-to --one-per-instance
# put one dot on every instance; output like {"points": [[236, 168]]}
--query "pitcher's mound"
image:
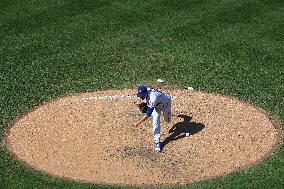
{"points": [[91, 138]]}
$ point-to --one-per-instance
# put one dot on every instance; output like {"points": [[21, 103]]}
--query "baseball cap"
{"points": [[142, 90]]}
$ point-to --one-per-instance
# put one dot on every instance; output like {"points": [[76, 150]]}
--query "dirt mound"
{"points": [[89, 137]]}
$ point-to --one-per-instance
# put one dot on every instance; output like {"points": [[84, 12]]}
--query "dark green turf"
{"points": [[57, 47]]}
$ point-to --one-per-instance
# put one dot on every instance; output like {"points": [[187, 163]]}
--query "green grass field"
{"points": [[58, 47]]}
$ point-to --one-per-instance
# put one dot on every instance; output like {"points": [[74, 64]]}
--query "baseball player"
{"points": [[156, 103]]}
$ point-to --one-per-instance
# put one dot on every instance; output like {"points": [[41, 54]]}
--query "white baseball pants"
{"points": [[167, 114]]}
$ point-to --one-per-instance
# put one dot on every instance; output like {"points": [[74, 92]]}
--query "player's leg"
{"points": [[167, 112], [156, 128]]}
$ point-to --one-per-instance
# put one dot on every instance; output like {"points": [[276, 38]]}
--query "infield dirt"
{"points": [[90, 137]]}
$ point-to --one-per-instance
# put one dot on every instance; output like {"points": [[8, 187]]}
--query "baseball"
{"points": [[187, 134]]}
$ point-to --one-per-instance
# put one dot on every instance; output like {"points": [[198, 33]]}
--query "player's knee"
{"points": [[156, 125], [156, 131]]}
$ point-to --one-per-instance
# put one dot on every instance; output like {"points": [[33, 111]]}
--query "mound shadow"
{"points": [[182, 129]]}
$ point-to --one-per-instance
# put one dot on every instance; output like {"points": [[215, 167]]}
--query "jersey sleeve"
{"points": [[149, 111], [152, 102]]}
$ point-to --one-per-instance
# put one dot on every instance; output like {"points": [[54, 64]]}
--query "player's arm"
{"points": [[141, 120]]}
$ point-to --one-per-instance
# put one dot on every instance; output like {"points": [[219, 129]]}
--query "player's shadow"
{"points": [[179, 130]]}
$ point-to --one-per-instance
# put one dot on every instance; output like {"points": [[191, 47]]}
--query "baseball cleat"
{"points": [[158, 147]]}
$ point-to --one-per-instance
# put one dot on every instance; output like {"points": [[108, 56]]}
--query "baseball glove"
{"points": [[142, 107]]}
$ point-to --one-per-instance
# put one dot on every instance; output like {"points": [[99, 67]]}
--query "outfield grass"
{"points": [[57, 47]]}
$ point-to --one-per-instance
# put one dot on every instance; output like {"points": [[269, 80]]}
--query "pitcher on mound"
{"points": [[156, 103]]}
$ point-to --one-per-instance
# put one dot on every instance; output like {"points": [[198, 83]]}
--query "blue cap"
{"points": [[142, 90]]}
